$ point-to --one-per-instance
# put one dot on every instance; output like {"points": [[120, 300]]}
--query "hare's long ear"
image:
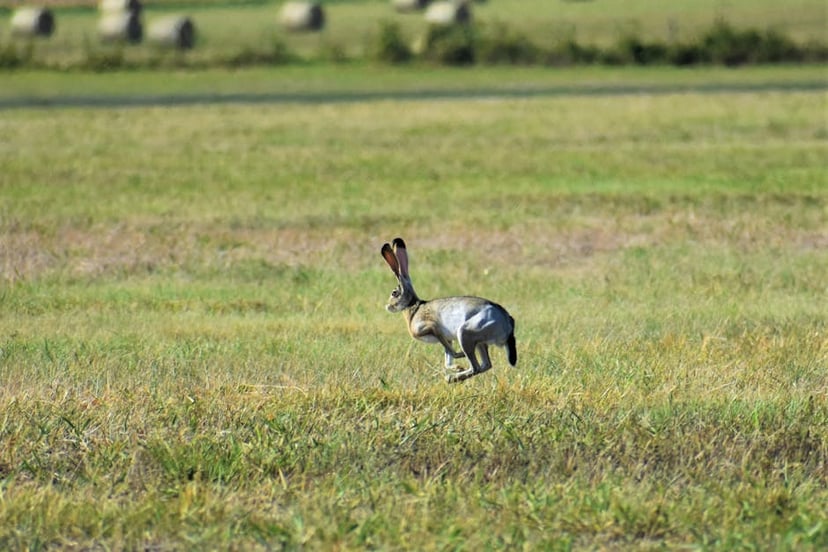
{"points": [[402, 255], [391, 259]]}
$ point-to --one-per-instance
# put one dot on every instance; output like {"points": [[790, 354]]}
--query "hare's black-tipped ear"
{"points": [[391, 259], [402, 255]]}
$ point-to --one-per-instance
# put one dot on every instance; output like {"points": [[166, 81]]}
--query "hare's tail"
{"points": [[511, 345]]}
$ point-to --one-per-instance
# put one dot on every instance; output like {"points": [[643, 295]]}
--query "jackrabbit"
{"points": [[474, 322]]}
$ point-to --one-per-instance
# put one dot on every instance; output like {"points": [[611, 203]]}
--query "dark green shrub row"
{"points": [[722, 45], [14, 55]]}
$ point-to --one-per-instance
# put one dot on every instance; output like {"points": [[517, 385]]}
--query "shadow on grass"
{"points": [[171, 100]]}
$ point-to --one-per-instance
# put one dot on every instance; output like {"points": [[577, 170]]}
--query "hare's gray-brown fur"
{"points": [[474, 322]]}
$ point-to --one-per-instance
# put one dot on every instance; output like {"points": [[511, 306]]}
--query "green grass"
{"points": [[194, 351], [311, 83]]}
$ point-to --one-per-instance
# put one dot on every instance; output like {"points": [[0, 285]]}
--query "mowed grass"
{"points": [[195, 352]]}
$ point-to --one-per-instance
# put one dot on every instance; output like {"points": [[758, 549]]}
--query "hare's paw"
{"points": [[459, 376], [452, 369]]}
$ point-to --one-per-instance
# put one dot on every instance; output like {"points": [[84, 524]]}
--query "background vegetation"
{"points": [[542, 32], [194, 351]]}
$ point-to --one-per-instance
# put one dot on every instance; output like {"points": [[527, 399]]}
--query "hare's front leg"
{"points": [[451, 354]]}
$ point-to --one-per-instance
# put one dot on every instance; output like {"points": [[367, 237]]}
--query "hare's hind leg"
{"points": [[468, 344], [486, 362], [475, 368]]}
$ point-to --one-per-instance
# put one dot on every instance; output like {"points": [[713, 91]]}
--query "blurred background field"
{"points": [[241, 31]]}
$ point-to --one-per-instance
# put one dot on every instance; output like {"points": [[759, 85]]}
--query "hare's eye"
{"points": [[395, 293]]}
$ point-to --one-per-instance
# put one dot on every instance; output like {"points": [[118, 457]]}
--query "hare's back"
{"points": [[453, 312]]}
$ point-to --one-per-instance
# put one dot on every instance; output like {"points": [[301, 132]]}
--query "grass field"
{"points": [[194, 352], [226, 30]]}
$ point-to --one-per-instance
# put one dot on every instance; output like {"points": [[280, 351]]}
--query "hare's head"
{"points": [[400, 299], [402, 296]]}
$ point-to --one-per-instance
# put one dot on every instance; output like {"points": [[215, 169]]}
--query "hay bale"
{"points": [[176, 31], [302, 16], [123, 26], [409, 5], [447, 13], [117, 6], [29, 22]]}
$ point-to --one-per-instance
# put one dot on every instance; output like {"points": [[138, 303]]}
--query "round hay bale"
{"points": [[176, 31], [409, 5], [28, 22], [122, 26], [447, 13], [117, 6], [302, 16]]}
